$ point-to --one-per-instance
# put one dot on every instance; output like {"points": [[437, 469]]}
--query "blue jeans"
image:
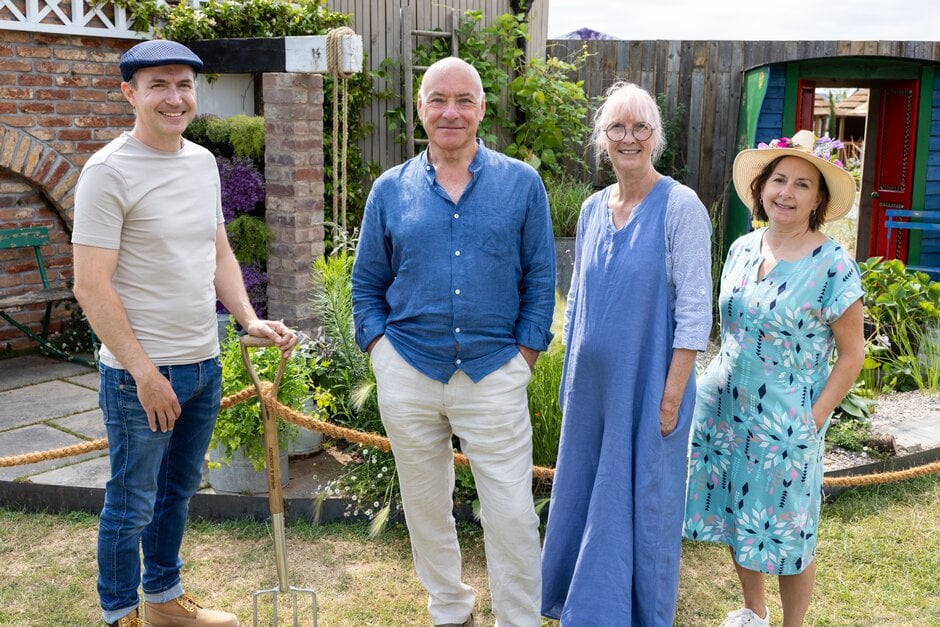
{"points": [[153, 476]]}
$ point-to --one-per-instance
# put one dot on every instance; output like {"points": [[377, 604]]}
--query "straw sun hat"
{"points": [[821, 152]]}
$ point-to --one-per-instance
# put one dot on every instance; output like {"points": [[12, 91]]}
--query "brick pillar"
{"points": [[293, 162]]}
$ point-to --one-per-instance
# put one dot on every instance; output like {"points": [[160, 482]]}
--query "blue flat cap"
{"points": [[157, 52]]}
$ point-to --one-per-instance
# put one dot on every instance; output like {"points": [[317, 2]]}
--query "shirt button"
{"points": [[457, 330], [458, 362], [457, 291], [457, 253], [456, 216]]}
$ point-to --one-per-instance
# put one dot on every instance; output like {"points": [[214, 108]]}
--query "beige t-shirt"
{"points": [[160, 210]]}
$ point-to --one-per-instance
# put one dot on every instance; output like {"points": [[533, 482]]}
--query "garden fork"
{"points": [[275, 498]]}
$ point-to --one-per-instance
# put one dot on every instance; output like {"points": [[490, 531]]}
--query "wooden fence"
{"points": [[705, 78], [379, 23]]}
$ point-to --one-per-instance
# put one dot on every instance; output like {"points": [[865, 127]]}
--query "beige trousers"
{"points": [[491, 419]]}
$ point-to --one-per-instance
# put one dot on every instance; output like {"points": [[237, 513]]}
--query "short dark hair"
{"points": [[816, 219]]}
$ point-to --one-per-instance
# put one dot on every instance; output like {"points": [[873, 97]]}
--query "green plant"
{"points": [[533, 111], [75, 336], [565, 195], [344, 372], [236, 136], [851, 420], [716, 212], [543, 405], [553, 111], [249, 236], [672, 161], [902, 309], [348, 374], [543, 394], [240, 427]]}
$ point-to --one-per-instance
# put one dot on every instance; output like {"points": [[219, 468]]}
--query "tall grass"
{"points": [[543, 394], [565, 195]]}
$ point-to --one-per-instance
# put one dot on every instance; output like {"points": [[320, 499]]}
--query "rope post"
{"points": [[334, 40]]}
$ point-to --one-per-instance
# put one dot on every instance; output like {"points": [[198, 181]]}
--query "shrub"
{"points": [[901, 308]]}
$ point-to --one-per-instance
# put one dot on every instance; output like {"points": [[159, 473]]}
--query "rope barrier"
{"points": [[377, 441]]}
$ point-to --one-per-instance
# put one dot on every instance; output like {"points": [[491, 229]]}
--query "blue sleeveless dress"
{"points": [[756, 457], [613, 540]]}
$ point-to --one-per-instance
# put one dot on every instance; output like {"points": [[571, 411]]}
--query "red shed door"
{"points": [[894, 164]]}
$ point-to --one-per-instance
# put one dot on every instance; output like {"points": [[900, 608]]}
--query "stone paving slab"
{"points": [[89, 424], [34, 438], [92, 473], [32, 369], [89, 380], [35, 403], [923, 433]]}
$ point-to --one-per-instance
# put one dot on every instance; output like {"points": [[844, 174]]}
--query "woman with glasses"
{"points": [[638, 311]]}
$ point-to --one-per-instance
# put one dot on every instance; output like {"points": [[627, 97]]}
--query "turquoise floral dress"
{"points": [[756, 457]]}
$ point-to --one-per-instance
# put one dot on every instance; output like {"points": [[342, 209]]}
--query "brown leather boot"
{"points": [[130, 620], [184, 611]]}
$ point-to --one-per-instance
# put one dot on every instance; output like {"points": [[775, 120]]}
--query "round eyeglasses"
{"points": [[617, 132]]}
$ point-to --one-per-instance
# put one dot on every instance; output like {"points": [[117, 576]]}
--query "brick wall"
{"points": [[60, 101], [293, 143]]}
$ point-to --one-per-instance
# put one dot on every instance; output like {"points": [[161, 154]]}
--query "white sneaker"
{"points": [[745, 618]]}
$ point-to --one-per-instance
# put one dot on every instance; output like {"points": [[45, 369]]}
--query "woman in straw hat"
{"points": [[788, 294], [639, 309]]}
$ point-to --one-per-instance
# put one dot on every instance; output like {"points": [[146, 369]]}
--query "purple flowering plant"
{"points": [[242, 186], [243, 193], [256, 284]]}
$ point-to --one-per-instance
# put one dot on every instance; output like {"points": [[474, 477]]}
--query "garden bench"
{"points": [[902, 219], [36, 237]]}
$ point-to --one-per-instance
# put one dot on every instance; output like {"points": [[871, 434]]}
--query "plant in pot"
{"points": [[565, 195], [236, 451]]}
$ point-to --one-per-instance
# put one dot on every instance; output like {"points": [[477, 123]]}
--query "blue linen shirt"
{"points": [[456, 286]]}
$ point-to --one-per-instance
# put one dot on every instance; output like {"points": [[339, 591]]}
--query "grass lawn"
{"points": [[879, 559]]}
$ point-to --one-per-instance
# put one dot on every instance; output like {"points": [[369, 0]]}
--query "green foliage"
{"points": [[346, 370], [236, 136], [565, 195], [543, 394], [851, 420], [848, 434], [240, 427], [543, 405], [902, 310], [75, 335], [248, 18], [249, 236], [533, 112], [246, 135], [553, 109], [672, 161], [715, 213]]}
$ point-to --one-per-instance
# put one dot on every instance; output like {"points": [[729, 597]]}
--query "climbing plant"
{"points": [[534, 112]]}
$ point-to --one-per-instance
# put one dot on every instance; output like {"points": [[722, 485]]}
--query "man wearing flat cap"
{"points": [[151, 258]]}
